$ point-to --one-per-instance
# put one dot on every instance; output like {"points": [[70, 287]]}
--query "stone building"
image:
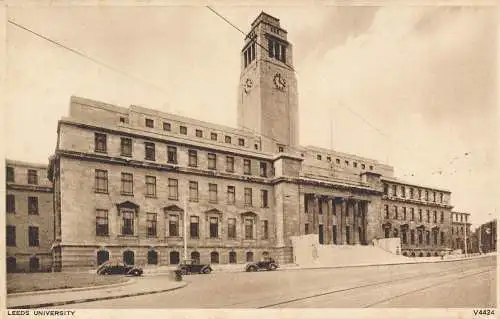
{"points": [[129, 180], [486, 236], [460, 227], [29, 217], [419, 215]]}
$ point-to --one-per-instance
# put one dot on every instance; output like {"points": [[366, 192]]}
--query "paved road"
{"points": [[459, 284]]}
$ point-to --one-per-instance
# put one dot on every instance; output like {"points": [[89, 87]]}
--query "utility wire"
{"points": [[84, 55]]}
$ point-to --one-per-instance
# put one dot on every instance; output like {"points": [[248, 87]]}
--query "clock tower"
{"points": [[267, 97]]}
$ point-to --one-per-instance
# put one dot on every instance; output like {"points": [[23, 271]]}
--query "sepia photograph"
{"points": [[229, 156]]}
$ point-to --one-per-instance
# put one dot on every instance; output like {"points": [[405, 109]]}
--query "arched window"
{"points": [[152, 257], [195, 256], [34, 264], [405, 254], [387, 232], [11, 264], [128, 257], [232, 257], [174, 257], [428, 254], [214, 257], [102, 256], [436, 254], [249, 256], [421, 255]]}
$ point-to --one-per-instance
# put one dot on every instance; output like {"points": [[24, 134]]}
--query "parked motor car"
{"points": [[118, 268], [266, 263], [190, 266]]}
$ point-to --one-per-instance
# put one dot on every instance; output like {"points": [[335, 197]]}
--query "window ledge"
{"points": [[128, 236], [101, 192], [151, 196], [127, 194], [102, 236]]}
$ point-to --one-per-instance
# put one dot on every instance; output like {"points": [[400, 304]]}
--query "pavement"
{"points": [[159, 280], [136, 286], [467, 283]]}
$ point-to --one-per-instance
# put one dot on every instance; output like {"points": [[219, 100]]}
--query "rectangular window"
{"points": [[404, 213], [167, 126], [263, 169], [183, 130], [435, 217], [229, 164], [214, 227], [426, 195], [227, 139], [151, 224], [265, 230], [101, 181], [403, 191], [127, 184], [394, 191], [193, 191], [263, 198], [434, 197], [151, 186], [101, 222], [127, 223], [193, 158], [241, 142], [199, 133], [33, 236], [420, 215], [100, 143], [386, 208], [386, 189], [442, 238], [412, 236], [248, 228], [395, 212], [172, 154], [419, 194], [231, 228], [150, 151], [428, 216], [412, 212], [173, 189], [213, 136], [442, 217], [150, 123], [32, 205], [212, 161], [194, 226], [10, 174], [126, 146], [247, 168], [11, 235], [231, 195], [212, 193], [11, 204], [173, 226], [306, 228], [248, 196], [440, 197], [32, 177]]}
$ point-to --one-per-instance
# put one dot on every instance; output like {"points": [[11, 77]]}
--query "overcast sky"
{"points": [[414, 87]]}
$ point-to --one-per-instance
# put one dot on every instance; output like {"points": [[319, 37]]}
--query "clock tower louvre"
{"points": [[268, 98]]}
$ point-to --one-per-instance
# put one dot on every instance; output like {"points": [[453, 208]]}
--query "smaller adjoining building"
{"points": [[460, 228], [29, 217], [486, 237]]}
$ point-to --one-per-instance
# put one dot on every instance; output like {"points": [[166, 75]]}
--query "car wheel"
{"points": [[135, 272], [252, 268], [207, 271], [184, 272], [272, 267]]}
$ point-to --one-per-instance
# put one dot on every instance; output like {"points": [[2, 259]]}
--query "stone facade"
{"points": [[419, 215], [135, 184], [29, 217], [460, 227]]}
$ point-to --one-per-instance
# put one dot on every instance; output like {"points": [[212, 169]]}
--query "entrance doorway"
{"points": [[321, 239]]}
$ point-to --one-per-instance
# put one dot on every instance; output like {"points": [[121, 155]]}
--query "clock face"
{"points": [[248, 85], [279, 81]]}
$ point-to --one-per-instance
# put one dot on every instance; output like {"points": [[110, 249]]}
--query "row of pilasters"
{"points": [[347, 215]]}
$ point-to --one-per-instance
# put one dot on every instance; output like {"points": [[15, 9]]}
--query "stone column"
{"points": [[315, 215], [355, 222], [328, 223], [343, 217]]}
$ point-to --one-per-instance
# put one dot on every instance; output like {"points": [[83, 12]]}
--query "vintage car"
{"points": [[190, 266], [118, 268], [267, 263]]}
